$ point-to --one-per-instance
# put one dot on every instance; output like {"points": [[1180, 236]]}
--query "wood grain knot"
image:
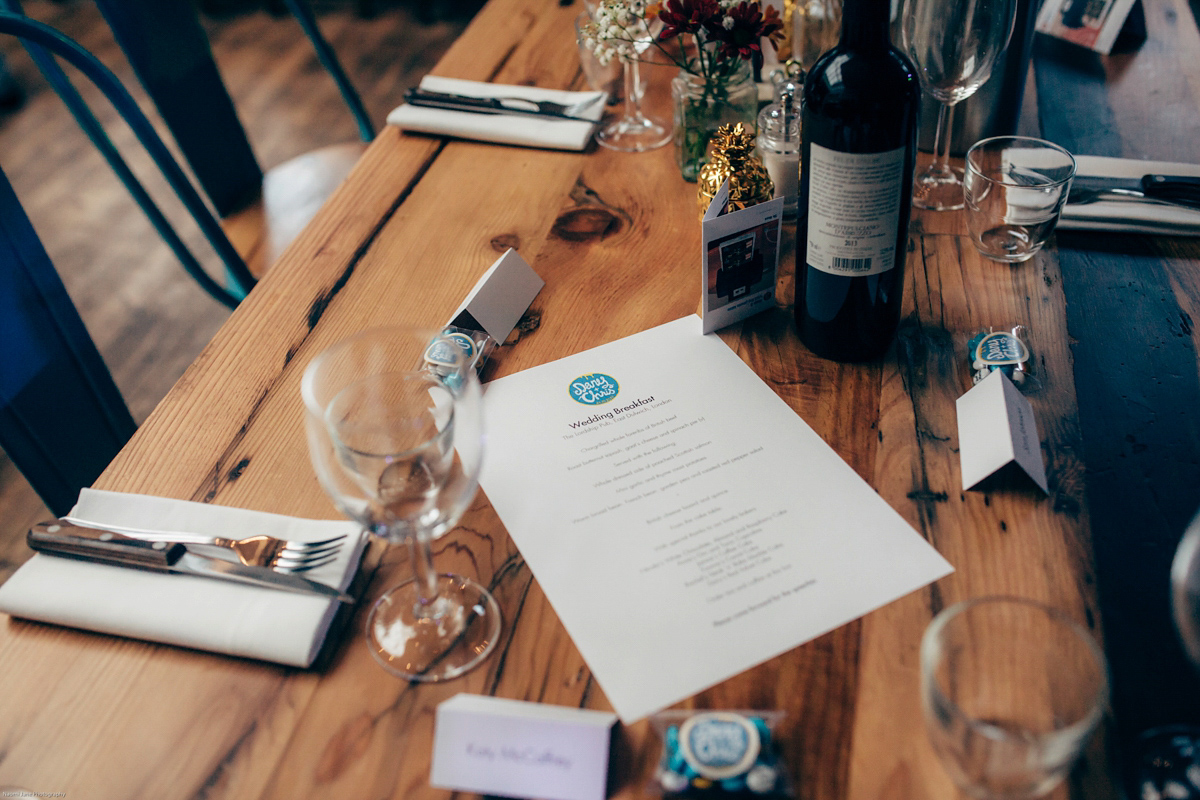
{"points": [[582, 224], [504, 241], [347, 746], [238, 469], [529, 322]]}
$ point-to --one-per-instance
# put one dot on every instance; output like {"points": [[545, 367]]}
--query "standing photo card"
{"points": [[740, 259]]}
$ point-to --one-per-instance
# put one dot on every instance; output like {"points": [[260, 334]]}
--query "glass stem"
{"points": [[633, 108], [941, 140], [425, 579]]}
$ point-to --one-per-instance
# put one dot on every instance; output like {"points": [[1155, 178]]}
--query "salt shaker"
{"points": [[779, 143]]}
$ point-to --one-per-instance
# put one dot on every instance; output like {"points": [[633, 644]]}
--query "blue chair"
{"points": [[62, 419], [169, 51], [41, 41]]}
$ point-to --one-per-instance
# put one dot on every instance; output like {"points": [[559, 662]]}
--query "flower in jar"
{"points": [[740, 29], [686, 16]]}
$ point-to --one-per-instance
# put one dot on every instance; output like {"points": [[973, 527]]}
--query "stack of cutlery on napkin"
{"points": [[1122, 194], [493, 112], [208, 600]]}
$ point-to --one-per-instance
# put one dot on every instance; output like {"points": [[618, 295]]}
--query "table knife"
{"points": [[1178, 189], [484, 105], [105, 547]]}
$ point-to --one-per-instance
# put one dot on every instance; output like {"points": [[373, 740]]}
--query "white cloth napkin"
{"points": [[519, 129], [1125, 215], [203, 613]]}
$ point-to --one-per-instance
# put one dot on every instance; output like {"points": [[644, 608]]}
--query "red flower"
{"points": [[687, 16], [747, 25]]}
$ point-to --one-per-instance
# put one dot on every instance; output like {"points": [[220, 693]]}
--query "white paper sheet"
{"points": [[690, 526]]}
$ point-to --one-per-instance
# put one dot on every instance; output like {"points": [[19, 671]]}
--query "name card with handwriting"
{"points": [[512, 748], [996, 428]]}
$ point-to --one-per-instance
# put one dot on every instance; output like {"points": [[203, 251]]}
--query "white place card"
{"points": [[683, 521], [512, 748], [739, 258], [500, 297], [996, 427]]}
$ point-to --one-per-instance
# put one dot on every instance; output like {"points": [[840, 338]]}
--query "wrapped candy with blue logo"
{"points": [[1005, 351], [720, 754], [457, 350]]}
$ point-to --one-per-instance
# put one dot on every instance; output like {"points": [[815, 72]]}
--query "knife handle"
{"points": [[452, 102], [76, 541], [1182, 189]]}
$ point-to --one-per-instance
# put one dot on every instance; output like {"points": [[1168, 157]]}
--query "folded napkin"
{"points": [[203, 613], [520, 129], [1131, 216]]}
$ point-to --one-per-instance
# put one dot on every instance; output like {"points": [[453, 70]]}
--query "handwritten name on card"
{"points": [[516, 749]]}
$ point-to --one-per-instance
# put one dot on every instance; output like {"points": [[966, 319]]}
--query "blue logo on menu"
{"points": [[594, 389]]}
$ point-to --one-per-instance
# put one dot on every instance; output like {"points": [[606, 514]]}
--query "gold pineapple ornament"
{"points": [[733, 157]]}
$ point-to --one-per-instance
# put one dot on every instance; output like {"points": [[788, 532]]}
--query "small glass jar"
{"points": [[703, 106], [779, 144]]}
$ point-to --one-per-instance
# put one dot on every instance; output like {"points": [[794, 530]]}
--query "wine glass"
{"points": [[634, 131], [1011, 690], [954, 44], [1185, 590], [1169, 755], [395, 434]]}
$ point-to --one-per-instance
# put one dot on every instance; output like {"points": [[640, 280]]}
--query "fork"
{"points": [[280, 555]]}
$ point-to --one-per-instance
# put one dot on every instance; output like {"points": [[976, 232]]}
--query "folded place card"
{"points": [[996, 428], [500, 297], [512, 748], [523, 129], [740, 259]]}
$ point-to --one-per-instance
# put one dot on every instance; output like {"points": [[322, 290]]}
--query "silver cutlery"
{"points": [[108, 547], [501, 105], [1181, 190], [281, 555]]}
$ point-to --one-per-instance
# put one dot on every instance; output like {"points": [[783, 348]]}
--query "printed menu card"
{"points": [[683, 521]]}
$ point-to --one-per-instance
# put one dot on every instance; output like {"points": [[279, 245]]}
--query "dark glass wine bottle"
{"points": [[859, 140]]}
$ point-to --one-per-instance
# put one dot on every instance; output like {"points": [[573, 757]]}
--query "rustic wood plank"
{"points": [[1137, 382]]}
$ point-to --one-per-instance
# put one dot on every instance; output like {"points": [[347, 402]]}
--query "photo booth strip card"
{"points": [[740, 260]]}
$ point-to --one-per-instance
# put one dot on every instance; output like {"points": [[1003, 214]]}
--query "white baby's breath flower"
{"points": [[615, 26], [727, 23]]}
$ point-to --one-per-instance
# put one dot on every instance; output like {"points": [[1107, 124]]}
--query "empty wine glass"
{"points": [[954, 44], [633, 131], [1169, 756], [395, 434], [1185, 590], [1010, 691]]}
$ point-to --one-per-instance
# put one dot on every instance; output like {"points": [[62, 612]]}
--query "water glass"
{"points": [[1011, 690], [1015, 188]]}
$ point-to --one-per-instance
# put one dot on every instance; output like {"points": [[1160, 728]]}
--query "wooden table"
{"points": [[616, 238]]}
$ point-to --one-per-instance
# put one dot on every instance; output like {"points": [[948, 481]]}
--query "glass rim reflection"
{"points": [[931, 645], [1021, 143]]}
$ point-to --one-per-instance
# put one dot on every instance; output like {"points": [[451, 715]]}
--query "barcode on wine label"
{"points": [[852, 264]]}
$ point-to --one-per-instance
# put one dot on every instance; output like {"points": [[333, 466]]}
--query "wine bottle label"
{"points": [[853, 210]]}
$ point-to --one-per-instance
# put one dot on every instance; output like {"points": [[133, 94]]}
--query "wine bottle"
{"points": [[859, 146]]}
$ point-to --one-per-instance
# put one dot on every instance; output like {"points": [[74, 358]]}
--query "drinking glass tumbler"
{"points": [[1015, 188], [1011, 690]]}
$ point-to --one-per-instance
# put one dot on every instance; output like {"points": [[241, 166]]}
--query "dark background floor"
{"points": [[148, 318]]}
